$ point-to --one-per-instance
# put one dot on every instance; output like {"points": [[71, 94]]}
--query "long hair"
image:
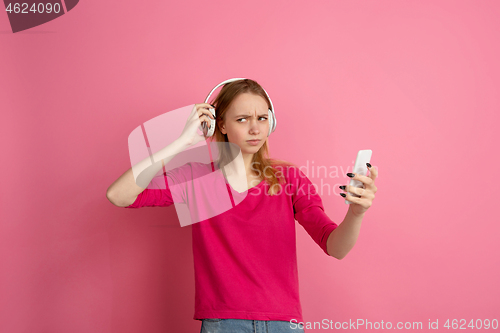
{"points": [[261, 161]]}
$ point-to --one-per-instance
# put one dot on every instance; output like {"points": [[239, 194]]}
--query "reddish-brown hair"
{"points": [[261, 160]]}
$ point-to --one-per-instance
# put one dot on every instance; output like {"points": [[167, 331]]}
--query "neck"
{"points": [[247, 159], [241, 166]]}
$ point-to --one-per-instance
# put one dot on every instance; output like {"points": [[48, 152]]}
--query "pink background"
{"points": [[415, 81]]}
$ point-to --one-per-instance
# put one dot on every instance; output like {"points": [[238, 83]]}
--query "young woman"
{"points": [[245, 258]]}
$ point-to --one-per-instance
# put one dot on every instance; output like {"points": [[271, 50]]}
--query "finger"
{"points": [[200, 109], [364, 179], [207, 106], [205, 122], [204, 111], [353, 199], [362, 192], [201, 117], [205, 117], [365, 203], [373, 172], [355, 190]]}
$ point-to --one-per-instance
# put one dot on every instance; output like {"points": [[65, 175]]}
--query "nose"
{"points": [[255, 126]]}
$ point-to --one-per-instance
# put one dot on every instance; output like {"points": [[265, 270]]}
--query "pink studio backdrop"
{"points": [[416, 82]]}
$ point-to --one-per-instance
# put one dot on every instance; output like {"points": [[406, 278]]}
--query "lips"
{"points": [[253, 142]]}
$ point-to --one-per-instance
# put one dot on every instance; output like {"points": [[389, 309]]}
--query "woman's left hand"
{"points": [[360, 205]]}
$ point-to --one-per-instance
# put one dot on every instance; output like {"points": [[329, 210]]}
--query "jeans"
{"points": [[248, 326]]}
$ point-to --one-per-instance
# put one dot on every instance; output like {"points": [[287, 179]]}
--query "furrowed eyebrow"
{"points": [[246, 115]]}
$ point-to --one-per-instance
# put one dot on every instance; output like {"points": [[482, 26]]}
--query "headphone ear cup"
{"points": [[211, 129], [270, 116]]}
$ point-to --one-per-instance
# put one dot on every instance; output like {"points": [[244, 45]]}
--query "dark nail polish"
{"points": [[368, 165], [342, 187], [350, 175], [342, 194]]}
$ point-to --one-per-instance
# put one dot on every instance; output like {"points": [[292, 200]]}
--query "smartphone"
{"points": [[360, 168]]}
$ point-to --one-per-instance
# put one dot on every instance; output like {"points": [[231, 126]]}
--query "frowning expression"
{"points": [[247, 119]]}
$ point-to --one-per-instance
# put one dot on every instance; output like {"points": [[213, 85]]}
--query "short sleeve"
{"points": [[308, 208]]}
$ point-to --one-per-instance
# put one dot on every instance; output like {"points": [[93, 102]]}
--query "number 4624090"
{"points": [[40, 8], [477, 324]]}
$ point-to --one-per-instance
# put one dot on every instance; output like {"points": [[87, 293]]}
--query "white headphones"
{"points": [[270, 112]]}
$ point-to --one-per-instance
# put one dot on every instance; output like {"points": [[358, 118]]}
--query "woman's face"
{"points": [[247, 119]]}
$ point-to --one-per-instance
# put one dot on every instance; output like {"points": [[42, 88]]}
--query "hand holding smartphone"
{"points": [[360, 168]]}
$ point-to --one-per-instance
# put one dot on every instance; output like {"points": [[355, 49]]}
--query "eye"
{"points": [[238, 120]]}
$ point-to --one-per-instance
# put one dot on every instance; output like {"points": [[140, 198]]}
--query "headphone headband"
{"points": [[272, 122]]}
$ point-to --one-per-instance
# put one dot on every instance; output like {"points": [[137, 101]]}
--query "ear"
{"points": [[222, 128]]}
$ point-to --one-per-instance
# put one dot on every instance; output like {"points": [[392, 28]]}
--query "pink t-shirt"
{"points": [[245, 259]]}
